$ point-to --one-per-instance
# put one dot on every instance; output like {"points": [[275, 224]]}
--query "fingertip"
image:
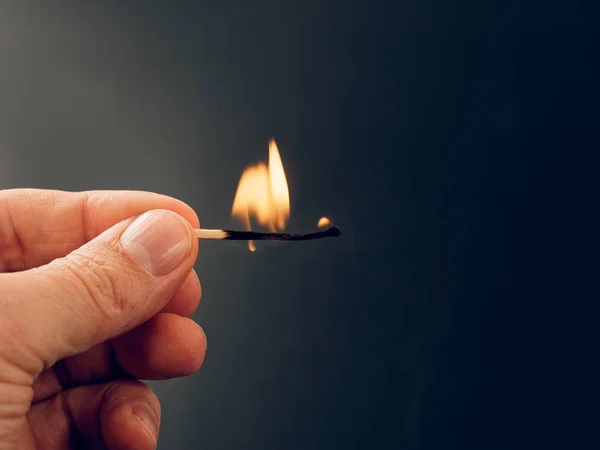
{"points": [[143, 413], [185, 302], [159, 242], [122, 429], [197, 358], [186, 211], [127, 204], [120, 415], [131, 417], [186, 346], [166, 346]]}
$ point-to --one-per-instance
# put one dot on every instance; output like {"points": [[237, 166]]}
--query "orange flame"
{"points": [[263, 194], [323, 222]]}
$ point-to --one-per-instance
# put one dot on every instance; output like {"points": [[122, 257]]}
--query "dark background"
{"points": [[452, 142]]}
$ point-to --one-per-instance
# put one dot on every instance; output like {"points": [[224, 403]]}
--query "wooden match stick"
{"points": [[257, 236]]}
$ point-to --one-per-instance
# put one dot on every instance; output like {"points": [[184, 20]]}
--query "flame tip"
{"points": [[324, 222], [263, 194]]}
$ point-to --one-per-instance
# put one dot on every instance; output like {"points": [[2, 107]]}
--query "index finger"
{"points": [[38, 226]]}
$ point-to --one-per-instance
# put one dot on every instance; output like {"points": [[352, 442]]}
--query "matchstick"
{"points": [[257, 236]]}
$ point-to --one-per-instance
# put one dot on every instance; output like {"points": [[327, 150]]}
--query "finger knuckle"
{"points": [[106, 289]]}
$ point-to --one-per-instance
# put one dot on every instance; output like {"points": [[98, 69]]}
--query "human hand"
{"points": [[92, 300]]}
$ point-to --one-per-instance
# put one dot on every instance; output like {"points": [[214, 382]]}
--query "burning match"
{"points": [[257, 236], [263, 194]]}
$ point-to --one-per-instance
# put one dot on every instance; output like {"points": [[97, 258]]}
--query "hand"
{"points": [[95, 293]]}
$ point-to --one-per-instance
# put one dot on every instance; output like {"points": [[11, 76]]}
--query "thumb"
{"points": [[107, 287]]}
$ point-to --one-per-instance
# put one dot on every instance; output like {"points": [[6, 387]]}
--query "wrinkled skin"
{"points": [[72, 351]]}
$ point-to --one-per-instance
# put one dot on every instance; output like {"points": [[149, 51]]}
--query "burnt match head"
{"points": [[258, 236], [334, 231]]}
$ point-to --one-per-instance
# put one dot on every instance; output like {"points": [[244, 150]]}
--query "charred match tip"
{"points": [[333, 231], [257, 236]]}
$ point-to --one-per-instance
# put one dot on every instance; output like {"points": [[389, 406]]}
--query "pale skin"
{"points": [[82, 321]]}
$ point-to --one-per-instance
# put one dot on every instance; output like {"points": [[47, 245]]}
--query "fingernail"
{"points": [[158, 240], [145, 415]]}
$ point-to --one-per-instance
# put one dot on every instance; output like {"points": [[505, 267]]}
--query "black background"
{"points": [[452, 142]]}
